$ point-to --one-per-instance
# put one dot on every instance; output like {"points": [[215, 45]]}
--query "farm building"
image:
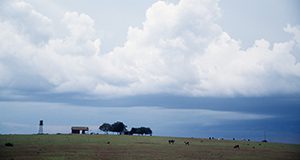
{"points": [[78, 130]]}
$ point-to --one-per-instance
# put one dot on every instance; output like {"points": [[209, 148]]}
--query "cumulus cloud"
{"points": [[180, 49], [32, 24]]}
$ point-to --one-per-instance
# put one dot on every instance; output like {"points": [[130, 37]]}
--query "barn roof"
{"points": [[80, 128]]}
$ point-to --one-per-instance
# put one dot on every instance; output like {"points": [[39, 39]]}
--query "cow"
{"points": [[9, 144], [171, 141], [187, 143], [236, 146]]}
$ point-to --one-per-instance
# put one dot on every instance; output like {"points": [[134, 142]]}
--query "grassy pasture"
{"points": [[73, 147]]}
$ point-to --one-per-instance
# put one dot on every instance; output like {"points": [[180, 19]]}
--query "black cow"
{"points": [[9, 144], [171, 141]]}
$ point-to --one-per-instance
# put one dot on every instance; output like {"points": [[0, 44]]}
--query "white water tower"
{"points": [[41, 127]]}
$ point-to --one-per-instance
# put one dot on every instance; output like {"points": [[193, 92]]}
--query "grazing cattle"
{"points": [[108, 142], [9, 144], [172, 141], [253, 147], [187, 143], [236, 146]]}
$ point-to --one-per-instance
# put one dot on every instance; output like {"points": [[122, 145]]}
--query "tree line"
{"points": [[120, 127]]}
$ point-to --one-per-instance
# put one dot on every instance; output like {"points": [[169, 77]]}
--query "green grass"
{"points": [[73, 147]]}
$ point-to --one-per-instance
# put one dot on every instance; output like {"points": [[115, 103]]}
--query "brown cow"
{"points": [[236, 146]]}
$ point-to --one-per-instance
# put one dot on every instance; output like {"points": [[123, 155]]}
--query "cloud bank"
{"points": [[180, 49], [69, 115]]}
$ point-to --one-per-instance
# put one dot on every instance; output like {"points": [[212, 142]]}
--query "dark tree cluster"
{"points": [[120, 128], [140, 131], [105, 127]]}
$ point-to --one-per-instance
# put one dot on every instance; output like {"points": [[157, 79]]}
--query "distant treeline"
{"points": [[120, 127]]}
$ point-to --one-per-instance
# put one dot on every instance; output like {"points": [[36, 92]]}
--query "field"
{"points": [[73, 147]]}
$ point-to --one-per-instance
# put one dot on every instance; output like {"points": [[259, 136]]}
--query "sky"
{"points": [[188, 68]]}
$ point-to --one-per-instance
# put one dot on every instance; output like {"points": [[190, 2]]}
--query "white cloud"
{"points": [[32, 24], [180, 49], [295, 30]]}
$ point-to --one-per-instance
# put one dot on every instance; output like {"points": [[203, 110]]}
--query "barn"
{"points": [[78, 130]]}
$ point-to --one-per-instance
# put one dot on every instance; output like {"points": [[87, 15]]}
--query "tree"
{"points": [[119, 127], [105, 127], [141, 131], [133, 131], [145, 130], [148, 131]]}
